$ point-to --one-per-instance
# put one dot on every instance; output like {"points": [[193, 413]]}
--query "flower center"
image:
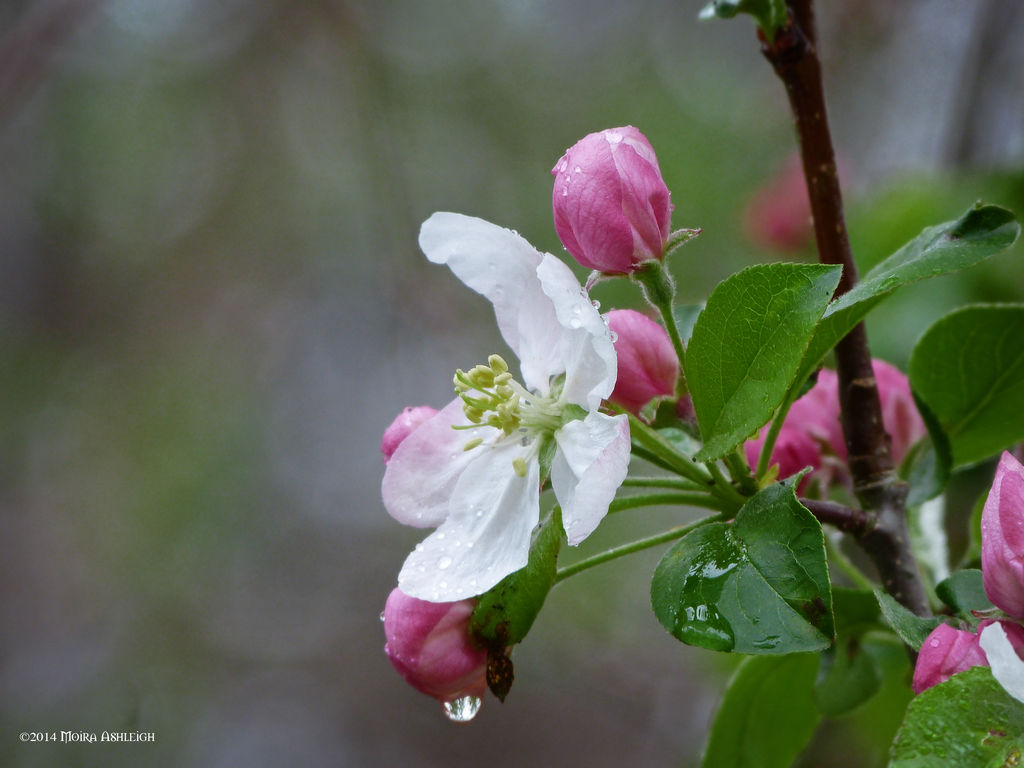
{"points": [[492, 397]]}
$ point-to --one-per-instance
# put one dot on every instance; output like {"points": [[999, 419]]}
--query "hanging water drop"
{"points": [[463, 709], [382, 615]]}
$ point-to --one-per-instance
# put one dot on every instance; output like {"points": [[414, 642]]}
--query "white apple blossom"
{"points": [[473, 470]]}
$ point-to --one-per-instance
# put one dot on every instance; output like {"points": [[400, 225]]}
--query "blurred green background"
{"points": [[212, 303]]}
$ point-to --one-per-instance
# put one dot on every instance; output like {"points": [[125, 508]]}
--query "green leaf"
{"points": [[504, 615], [911, 628], [969, 721], [770, 14], [758, 585], [968, 368], [851, 678], [849, 675], [747, 346], [964, 591], [984, 230], [767, 715], [686, 317]]}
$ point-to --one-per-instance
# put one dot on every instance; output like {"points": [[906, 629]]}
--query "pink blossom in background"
{"points": [[647, 362], [902, 420], [399, 429], [611, 207], [430, 646], [778, 216]]}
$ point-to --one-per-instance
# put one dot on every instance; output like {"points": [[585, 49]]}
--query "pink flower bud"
{"points": [[945, 652], [1002, 538], [402, 426], [648, 366], [899, 413], [430, 646], [812, 422], [612, 208]]}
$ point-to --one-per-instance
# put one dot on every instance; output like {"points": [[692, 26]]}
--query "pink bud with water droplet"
{"points": [[1002, 537], [611, 206], [945, 652], [647, 362], [399, 429], [431, 647]]}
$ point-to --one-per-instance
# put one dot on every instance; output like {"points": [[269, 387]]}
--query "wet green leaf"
{"points": [[969, 721], [747, 346], [758, 585]]}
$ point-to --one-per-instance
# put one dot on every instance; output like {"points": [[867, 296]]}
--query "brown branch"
{"points": [[839, 516], [879, 490]]}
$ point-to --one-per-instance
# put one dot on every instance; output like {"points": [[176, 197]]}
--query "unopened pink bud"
{"points": [[402, 426], [647, 362], [430, 646], [945, 652], [611, 206], [812, 421], [899, 413], [794, 449], [1002, 538]]}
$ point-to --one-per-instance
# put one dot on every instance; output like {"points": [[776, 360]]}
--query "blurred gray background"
{"points": [[212, 303]]}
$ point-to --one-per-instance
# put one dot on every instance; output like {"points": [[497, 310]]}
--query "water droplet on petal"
{"points": [[382, 615], [444, 562], [462, 710], [575, 322], [613, 137], [613, 336], [440, 536], [596, 303]]}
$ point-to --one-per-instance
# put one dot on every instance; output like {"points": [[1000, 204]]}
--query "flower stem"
{"points": [[634, 546], [765, 457], [660, 292], [692, 499], [662, 482]]}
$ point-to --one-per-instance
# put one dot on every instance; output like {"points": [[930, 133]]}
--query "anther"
{"points": [[519, 465], [497, 363], [471, 444]]}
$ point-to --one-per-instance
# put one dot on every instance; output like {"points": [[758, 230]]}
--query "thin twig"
{"points": [[879, 490]]}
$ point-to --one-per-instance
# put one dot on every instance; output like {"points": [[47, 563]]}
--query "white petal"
{"points": [[421, 474], [1007, 667], [501, 265], [487, 535], [589, 466], [586, 351]]}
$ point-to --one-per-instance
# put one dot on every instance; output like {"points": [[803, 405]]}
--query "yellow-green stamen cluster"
{"points": [[489, 396]]}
